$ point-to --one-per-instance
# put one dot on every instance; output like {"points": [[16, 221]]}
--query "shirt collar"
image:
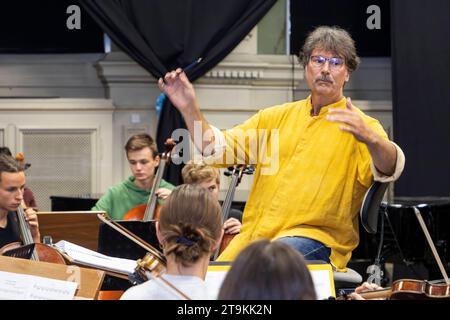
{"points": [[341, 104]]}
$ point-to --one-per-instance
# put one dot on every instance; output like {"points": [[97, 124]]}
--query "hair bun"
{"points": [[191, 233], [185, 241], [20, 156]]}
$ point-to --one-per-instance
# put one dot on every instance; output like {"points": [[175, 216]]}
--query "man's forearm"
{"points": [[198, 126], [384, 155]]}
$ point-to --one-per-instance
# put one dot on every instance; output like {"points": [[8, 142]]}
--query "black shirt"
{"points": [[10, 233]]}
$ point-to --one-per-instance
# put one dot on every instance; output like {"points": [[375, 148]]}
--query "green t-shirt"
{"points": [[122, 197]]}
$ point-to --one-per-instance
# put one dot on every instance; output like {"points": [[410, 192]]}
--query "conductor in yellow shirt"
{"points": [[315, 158]]}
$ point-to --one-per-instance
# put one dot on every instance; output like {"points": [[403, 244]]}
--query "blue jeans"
{"points": [[311, 249]]}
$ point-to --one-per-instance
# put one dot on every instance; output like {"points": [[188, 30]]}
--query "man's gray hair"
{"points": [[333, 39]]}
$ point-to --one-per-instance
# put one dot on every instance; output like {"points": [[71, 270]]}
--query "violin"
{"points": [[41, 251], [413, 289], [236, 176], [150, 210], [419, 290], [406, 289], [152, 265]]}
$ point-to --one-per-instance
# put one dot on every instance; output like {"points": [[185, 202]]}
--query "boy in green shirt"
{"points": [[143, 158]]}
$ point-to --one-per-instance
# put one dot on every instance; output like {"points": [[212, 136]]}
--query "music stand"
{"points": [[114, 244], [22, 252]]}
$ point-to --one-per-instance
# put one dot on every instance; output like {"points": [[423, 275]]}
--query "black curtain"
{"points": [[348, 14], [421, 94], [162, 35]]}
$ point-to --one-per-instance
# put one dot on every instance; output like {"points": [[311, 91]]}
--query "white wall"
{"points": [[234, 90], [49, 132]]}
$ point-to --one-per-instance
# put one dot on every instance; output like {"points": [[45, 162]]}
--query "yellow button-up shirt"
{"points": [[312, 183]]}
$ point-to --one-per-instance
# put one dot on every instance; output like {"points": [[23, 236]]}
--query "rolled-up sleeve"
{"points": [[399, 166], [216, 153]]}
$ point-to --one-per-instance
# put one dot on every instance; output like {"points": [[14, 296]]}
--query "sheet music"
{"points": [[14, 286], [321, 280], [95, 259], [213, 280]]}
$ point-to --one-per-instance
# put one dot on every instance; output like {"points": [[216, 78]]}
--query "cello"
{"points": [[41, 251], [236, 176], [150, 210]]}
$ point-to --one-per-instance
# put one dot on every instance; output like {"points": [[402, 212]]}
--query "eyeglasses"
{"points": [[319, 61]]}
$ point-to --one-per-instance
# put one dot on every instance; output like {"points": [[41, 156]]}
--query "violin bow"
{"points": [[124, 231], [430, 242]]}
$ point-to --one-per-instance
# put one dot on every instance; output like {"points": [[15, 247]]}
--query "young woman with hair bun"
{"points": [[189, 230]]}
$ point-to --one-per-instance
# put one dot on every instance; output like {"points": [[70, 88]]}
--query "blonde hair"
{"points": [[190, 224], [195, 172]]}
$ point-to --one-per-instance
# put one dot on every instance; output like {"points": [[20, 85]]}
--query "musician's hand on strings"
{"points": [[178, 89], [32, 219], [365, 287], [351, 121], [163, 193], [232, 226]]}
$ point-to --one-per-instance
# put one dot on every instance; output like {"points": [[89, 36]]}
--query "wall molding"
{"points": [[236, 69], [50, 76], [56, 104]]}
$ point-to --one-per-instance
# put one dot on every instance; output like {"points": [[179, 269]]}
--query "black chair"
{"points": [[371, 206], [369, 219], [370, 212]]}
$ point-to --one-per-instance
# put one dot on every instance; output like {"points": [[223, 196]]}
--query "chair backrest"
{"points": [[371, 206]]}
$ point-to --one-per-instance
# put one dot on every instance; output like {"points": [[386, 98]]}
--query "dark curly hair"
{"points": [[333, 39]]}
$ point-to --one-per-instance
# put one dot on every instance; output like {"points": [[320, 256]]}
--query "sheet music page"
{"points": [[95, 259], [213, 280], [320, 275], [14, 286], [321, 280]]}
